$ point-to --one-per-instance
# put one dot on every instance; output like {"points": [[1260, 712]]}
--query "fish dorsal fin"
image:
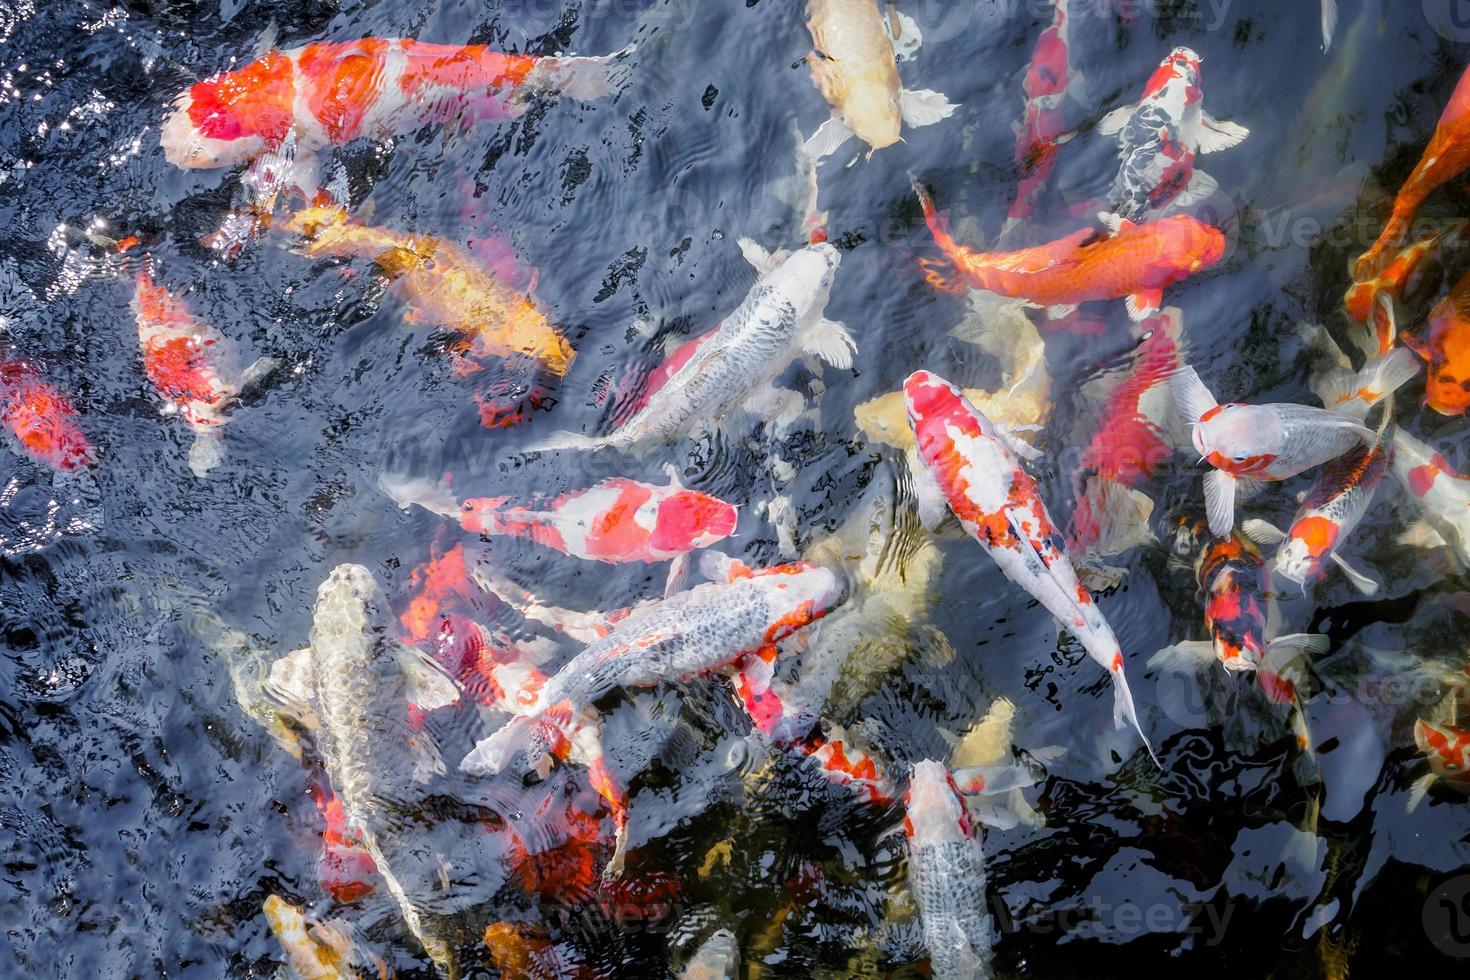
{"points": [[426, 682]]}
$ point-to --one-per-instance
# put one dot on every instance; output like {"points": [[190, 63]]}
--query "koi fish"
{"points": [[712, 627], [734, 369], [445, 289], [1445, 348], [1160, 137], [1331, 510], [344, 869], [616, 522], [1043, 127], [1236, 584], [718, 958], [1442, 492], [969, 466], [314, 950], [332, 92], [1371, 301], [854, 64], [1135, 262], [41, 421], [1447, 155], [1447, 748], [1131, 445], [357, 685], [1249, 444], [193, 367], [946, 870]]}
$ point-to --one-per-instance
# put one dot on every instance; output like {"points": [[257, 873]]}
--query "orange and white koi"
{"points": [[1136, 262], [1236, 584], [193, 367], [1371, 301], [1441, 491], [1159, 138], [42, 422], [1331, 510], [314, 950], [1447, 155], [331, 92], [1447, 748], [444, 288], [1249, 444], [971, 466], [1445, 348], [854, 64]]}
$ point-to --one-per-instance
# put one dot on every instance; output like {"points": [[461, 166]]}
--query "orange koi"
{"points": [[1445, 348], [41, 420]]}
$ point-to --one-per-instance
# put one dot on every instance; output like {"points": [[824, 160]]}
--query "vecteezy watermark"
{"points": [[1122, 919], [1446, 917], [1449, 18]]}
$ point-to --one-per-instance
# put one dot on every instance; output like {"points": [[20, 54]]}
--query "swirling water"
{"points": [[145, 814]]}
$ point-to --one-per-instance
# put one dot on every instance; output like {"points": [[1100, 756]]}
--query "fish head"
{"points": [[1239, 438], [1185, 63], [1307, 545], [187, 147], [1447, 383], [805, 278], [689, 520], [349, 601], [1192, 245], [934, 810], [797, 594], [871, 110], [1445, 746], [927, 396]]}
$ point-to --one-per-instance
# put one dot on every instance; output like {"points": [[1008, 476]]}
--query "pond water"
{"points": [[147, 813]]}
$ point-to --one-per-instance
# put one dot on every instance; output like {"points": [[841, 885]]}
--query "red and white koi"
{"points": [[854, 64], [971, 467], [715, 626], [331, 92], [1441, 491], [42, 422], [1447, 748], [1043, 127], [1159, 138], [946, 870], [193, 366], [1249, 444]]}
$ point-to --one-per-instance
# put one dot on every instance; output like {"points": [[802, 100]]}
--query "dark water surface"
{"points": [[144, 816]]}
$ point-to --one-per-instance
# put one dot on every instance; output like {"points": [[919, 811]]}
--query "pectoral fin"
{"points": [[1190, 656], [828, 138], [1363, 583], [830, 341], [904, 32], [1144, 304], [1114, 121], [1218, 135], [1263, 532], [425, 681], [924, 107], [1220, 502]]}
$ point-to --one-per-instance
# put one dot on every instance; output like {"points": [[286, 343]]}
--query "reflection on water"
{"points": [[161, 785]]}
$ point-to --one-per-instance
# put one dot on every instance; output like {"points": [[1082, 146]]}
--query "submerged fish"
{"points": [[1331, 510], [445, 289], [41, 420], [1445, 348], [854, 64], [718, 958], [1447, 748], [1159, 138], [1135, 262], [1249, 444], [1371, 301], [1236, 584], [1447, 155], [947, 875], [358, 684], [331, 92], [970, 467], [314, 950], [193, 366], [734, 369], [1442, 492], [617, 521], [1043, 127]]}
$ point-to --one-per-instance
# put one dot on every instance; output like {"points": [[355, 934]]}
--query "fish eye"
{"points": [[1241, 457]]}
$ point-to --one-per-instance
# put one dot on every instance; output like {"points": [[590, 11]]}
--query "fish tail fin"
{"points": [[938, 223], [585, 78], [1418, 791], [559, 441], [541, 735], [207, 452], [1355, 394], [1124, 709]]}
